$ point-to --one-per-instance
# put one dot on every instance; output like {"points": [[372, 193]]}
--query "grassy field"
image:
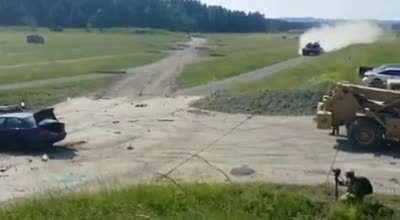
{"points": [[296, 91], [233, 54], [254, 201], [76, 52], [324, 71], [70, 53], [42, 97]]}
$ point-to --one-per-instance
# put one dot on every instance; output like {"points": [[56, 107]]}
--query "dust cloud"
{"points": [[341, 35]]}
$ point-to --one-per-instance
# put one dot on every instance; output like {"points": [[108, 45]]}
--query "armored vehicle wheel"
{"points": [[366, 133]]}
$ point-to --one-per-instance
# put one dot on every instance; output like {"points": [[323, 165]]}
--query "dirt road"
{"points": [[142, 136], [157, 79]]}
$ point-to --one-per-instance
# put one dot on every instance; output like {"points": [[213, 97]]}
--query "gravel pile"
{"points": [[283, 103]]}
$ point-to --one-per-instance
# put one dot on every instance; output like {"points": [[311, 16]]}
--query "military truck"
{"points": [[35, 39], [371, 115], [312, 49]]}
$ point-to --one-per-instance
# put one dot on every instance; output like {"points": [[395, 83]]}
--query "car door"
{"points": [[389, 74], [396, 74], [13, 129], [4, 135]]}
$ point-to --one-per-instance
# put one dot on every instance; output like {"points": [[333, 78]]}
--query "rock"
{"points": [[45, 158], [165, 120], [116, 122], [130, 147], [4, 169], [242, 171], [20, 190], [141, 106], [118, 132]]}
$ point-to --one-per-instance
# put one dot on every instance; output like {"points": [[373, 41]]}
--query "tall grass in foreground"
{"points": [[253, 201]]}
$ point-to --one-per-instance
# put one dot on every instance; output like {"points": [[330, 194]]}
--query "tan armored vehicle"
{"points": [[371, 115]]}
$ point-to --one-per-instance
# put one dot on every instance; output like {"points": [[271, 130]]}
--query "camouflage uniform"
{"points": [[357, 188]]}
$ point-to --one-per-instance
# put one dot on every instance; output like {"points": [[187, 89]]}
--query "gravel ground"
{"points": [[276, 103]]}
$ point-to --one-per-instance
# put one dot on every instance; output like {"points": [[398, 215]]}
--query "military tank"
{"points": [[312, 49]]}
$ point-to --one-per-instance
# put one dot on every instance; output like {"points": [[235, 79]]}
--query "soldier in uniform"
{"points": [[357, 187]]}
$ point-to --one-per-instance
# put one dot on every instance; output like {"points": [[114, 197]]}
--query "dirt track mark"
{"points": [[253, 76], [159, 78]]}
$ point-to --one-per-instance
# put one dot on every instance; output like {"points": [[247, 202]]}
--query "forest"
{"points": [[175, 15]]}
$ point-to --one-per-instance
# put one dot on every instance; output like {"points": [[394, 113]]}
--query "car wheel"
{"points": [[366, 133]]}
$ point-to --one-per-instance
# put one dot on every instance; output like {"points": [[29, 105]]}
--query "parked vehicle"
{"points": [[4, 109], [378, 77], [27, 129]]}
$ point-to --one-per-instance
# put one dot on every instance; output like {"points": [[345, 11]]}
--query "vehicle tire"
{"points": [[366, 133], [377, 83]]}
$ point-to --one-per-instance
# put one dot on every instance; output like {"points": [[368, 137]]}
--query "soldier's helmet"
{"points": [[350, 174]]}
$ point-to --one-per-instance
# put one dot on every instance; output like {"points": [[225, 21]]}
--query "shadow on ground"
{"points": [[392, 150], [54, 152]]}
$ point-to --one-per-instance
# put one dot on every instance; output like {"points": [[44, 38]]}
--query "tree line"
{"points": [[176, 15]]}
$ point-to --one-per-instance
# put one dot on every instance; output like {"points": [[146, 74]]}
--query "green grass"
{"points": [[325, 71], [252, 201], [37, 98], [111, 50], [234, 54]]}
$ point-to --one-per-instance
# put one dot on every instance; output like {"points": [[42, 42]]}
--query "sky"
{"points": [[347, 9]]}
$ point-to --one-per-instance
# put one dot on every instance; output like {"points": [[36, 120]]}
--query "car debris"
{"points": [[45, 157], [312, 49]]}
